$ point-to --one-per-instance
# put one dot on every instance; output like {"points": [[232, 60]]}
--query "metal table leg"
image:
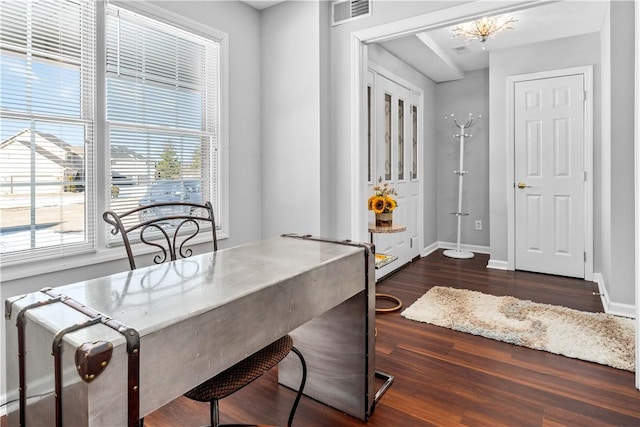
{"points": [[389, 379]]}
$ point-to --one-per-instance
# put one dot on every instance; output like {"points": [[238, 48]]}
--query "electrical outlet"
{"points": [[478, 224]]}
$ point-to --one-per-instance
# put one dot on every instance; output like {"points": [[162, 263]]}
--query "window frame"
{"points": [[87, 72], [158, 21], [105, 251]]}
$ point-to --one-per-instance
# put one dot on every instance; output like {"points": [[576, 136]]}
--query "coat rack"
{"points": [[458, 253]]}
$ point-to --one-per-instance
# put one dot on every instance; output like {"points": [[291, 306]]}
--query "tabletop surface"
{"points": [[149, 298]]}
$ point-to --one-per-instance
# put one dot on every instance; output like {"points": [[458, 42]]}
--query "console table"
{"points": [[196, 317], [384, 259]]}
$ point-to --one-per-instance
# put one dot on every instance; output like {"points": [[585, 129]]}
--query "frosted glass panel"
{"points": [[387, 136], [414, 162], [400, 139], [369, 109]]}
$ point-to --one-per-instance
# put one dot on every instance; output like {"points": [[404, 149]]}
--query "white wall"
{"points": [[327, 218], [291, 188], [619, 281], [461, 97], [602, 222]]}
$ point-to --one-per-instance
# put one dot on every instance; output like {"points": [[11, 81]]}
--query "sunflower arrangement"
{"points": [[382, 200]]}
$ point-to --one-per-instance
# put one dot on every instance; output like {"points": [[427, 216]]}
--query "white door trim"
{"points": [[637, 195], [395, 78], [587, 73]]}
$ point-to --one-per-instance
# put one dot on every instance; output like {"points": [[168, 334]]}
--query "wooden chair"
{"points": [[169, 227]]}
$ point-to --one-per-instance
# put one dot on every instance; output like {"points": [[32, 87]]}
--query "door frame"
{"points": [[637, 182], [416, 92], [587, 75]]}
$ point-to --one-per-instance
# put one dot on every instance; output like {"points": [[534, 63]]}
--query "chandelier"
{"points": [[484, 28]]}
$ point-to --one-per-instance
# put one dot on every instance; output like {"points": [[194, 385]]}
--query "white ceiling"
{"points": [[434, 52], [261, 4]]}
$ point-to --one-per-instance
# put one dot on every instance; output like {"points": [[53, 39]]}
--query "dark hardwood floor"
{"points": [[448, 378]]}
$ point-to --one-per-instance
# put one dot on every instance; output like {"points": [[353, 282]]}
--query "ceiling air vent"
{"points": [[461, 50], [347, 10]]}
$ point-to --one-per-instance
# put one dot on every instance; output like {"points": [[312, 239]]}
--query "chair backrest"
{"points": [[166, 226]]}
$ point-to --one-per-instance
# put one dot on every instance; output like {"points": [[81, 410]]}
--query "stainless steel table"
{"points": [[196, 317]]}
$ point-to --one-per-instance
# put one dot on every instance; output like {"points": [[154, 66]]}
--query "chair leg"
{"points": [[300, 389], [214, 413]]}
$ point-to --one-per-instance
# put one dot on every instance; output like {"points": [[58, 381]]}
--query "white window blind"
{"points": [[47, 68], [162, 112]]}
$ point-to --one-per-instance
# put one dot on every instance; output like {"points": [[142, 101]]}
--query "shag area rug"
{"points": [[595, 337]]}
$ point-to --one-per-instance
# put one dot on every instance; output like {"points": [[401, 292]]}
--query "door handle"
{"points": [[522, 185]]}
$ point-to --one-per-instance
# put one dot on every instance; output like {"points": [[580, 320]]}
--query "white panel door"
{"points": [[550, 179], [394, 159]]}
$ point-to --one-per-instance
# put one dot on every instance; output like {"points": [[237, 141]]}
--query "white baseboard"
{"points": [[497, 264], [471, 248], [617, 309], [430, 249]]}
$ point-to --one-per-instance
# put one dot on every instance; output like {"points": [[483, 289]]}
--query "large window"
{"points": [[159, 138], [162, 112], [46, 127]]}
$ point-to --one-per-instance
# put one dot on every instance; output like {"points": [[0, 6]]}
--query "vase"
{"points": [[384, 219]]}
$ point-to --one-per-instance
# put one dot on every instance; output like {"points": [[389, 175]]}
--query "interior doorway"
{"points": [[394, 109], [551, 203]]}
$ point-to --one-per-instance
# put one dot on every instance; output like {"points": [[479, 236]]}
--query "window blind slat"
{"points": [[47, 84], [161, 110]]}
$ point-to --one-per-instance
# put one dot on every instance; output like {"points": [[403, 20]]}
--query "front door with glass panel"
{"points": [[393, 158]]}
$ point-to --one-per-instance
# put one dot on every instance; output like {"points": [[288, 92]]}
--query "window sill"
{"points": [[54, 265]]}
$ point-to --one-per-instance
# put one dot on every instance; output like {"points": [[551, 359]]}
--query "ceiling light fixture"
{"points": [[484, 28]]}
